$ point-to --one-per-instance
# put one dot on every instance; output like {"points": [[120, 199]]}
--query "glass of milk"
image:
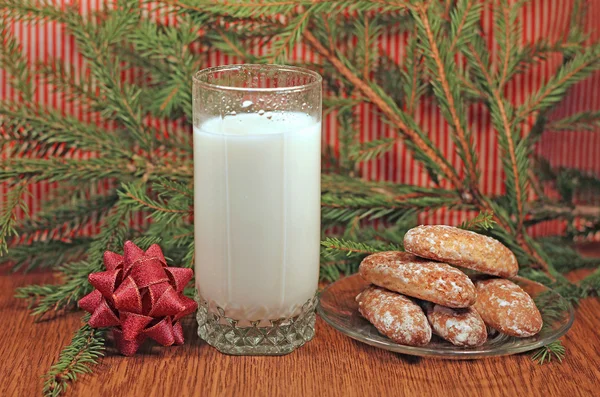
{"points": [[257, 166]]}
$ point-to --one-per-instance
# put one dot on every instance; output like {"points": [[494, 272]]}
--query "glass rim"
{"points": [[317, 78]]}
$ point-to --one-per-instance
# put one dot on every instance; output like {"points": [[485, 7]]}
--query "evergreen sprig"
{"points": [[546, 354], [589, 121], [8, 216], [483, 221], [86, 347]]}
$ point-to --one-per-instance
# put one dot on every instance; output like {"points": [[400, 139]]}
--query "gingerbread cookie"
{"points": [[461, 327], [504, 305], [395, 316], [431, 281], [461, 248]]}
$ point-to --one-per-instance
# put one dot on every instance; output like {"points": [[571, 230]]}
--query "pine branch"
{"points": [[515, 159], [508, 33], [289, 36], [54, 170], [75, 285], [76, 359], [73, 87], [372, 149], [135, 195], [412, 83], [587, 121], [464, 17], [447, 89], [32, 11], [577, 69], [275, 8], [564, 258], [483, 221], [424, 150], [168, 46], [14, 63], [65, 220], [8, 216], [50, 128], [546, 354], [354, 248], [45, 254]]}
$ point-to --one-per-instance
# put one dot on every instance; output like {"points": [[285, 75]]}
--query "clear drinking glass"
{"points": [[257, 166]]}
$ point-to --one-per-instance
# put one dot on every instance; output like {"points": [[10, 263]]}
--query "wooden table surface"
{"points": [[331, 365]]}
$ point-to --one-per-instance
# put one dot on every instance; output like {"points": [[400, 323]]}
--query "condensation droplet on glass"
{"points": [[261, 112], [247, 104], [233, 113], [269, 115]]}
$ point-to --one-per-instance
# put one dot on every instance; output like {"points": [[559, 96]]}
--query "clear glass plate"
{"points": [[339, 309]]}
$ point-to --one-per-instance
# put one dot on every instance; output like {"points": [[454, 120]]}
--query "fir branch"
{"points": [[275, 8], [14, 63], [587, 121], [86, 347], [73, 87], [289, 36], [165, 186], [345, 207], [32, 11], [353, 247], [464, 17], [590, 286], [53, 298], [48, 128], [54, 170], [483, 221], [76, 285], [367, 31], [446, 88], [508, 33], [45, 254], [331, 103], [577, 69], [8, 216], [516, 151], [388, 73], [563, 257], [136, 196], [546, 354], [424, 150], [70, 218], [232, 43], [170, 47], [412, 83], [372, 149]]}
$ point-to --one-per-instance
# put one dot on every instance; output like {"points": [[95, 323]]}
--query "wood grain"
{"points": [[331, 365]]}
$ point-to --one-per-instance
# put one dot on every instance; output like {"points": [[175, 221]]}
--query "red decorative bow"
{"points": [[140, 296]]}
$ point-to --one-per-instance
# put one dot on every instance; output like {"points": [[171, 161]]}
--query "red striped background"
{"points": [[540, 19]]}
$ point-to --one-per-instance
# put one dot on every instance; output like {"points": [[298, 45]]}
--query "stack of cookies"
{"points": [[419, 292]]}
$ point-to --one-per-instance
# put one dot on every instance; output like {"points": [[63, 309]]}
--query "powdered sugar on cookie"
{"points": [[461, 248], [419, 278], [395, 316], [461, 327], [503, 305]]}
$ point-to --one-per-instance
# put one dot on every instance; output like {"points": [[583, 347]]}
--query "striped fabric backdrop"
{"points": [[540, 19]]}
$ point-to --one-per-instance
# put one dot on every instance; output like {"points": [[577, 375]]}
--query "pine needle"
{"points": [[552, 351]]}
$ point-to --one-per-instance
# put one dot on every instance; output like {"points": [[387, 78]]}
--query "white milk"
{"points": [[257, 213]]}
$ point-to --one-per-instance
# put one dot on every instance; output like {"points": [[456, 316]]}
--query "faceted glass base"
{"points": [[276, 338]]}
